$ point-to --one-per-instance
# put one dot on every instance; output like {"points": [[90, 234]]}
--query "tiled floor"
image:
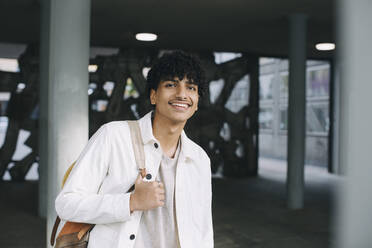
{"points": [[248, 212]]}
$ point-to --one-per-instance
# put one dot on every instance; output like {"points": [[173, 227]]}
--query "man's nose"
{"points": [[181, 91]]}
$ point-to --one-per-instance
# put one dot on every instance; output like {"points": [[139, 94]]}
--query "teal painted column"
{"points": [[355, 201], [296, 111], [64, 92]]}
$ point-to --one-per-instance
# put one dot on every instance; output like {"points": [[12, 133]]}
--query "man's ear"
{"points": [[153, 97]]}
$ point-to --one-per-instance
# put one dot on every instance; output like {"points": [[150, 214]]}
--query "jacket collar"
{"points": [[145, 124], [186, 146], [146, 129]]}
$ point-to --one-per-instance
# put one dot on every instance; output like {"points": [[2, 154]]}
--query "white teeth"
{"points": [[180, 105]]}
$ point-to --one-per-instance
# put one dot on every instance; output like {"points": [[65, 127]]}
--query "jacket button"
{"points": [[131, 237], [156, 145], [148, 176]]}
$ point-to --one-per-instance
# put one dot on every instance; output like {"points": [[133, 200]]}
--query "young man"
{"points": [[170, 206]]}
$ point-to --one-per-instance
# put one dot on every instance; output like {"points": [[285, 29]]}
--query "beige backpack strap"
{"points": [[137, 143]]}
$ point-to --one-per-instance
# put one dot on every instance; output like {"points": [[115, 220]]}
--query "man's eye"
{"points": [[192, 88], [169, 85]]}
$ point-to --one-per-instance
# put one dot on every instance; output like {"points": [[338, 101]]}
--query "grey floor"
{"points": [[248, 213], [252, 212]]}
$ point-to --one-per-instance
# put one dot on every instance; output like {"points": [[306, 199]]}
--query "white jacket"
{"points": [[96, 190]]}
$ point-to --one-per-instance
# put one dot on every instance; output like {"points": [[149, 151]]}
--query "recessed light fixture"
{"points": [[146, 36], [325, 46]]}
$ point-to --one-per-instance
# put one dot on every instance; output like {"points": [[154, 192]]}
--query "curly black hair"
{"points": [[177, 64]]}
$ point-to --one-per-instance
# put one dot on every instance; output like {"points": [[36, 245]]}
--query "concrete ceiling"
{"points": [[254, 26]]}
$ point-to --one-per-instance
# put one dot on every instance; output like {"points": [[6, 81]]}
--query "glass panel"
{"points": [[92, 68], [220, 58], [3, 126], [265, 118], [225, 131], [108, 87], [318, 82], [99, 105], [9, 65], [4, 99], [130, 90], [215, 88], [283, 120], [239, 96], [264, 60], [266, 87], [91, 88], [317, 118], [284, 84], [145, 71]]}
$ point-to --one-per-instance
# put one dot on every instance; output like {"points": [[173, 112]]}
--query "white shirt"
{"points": [[96, 190], [158, 227]]}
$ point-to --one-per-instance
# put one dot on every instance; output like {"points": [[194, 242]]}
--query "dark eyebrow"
{"points": [[191, 82], [169, 79], [177, 81]]}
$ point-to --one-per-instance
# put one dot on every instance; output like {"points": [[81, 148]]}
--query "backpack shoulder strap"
{"points": [[137, 143]]}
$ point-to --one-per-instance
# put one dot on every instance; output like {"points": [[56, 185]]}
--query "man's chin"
{"points": [[180, 118]]}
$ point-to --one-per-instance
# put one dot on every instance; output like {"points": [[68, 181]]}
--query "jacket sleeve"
{"points": [[208, 231], [80, 200]]}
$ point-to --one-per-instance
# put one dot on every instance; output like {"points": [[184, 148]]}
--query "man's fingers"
{"points": [[161, 203], [162, 197], [155, 184]]}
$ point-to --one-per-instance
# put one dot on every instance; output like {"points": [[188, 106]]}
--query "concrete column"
{"points": [[355, 203], [296, 111], [65, 75]]}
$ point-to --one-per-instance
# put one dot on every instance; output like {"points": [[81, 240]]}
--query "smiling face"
{"points": [[175, 100]]}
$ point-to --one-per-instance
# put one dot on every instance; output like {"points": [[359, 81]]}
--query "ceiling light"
{"points": [[146, 36], [325, 46]]}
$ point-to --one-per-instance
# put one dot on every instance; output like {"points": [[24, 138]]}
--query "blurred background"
{"points": [[286, 121]]}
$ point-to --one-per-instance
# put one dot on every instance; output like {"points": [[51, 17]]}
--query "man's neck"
{"points": [[167, 133]]}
